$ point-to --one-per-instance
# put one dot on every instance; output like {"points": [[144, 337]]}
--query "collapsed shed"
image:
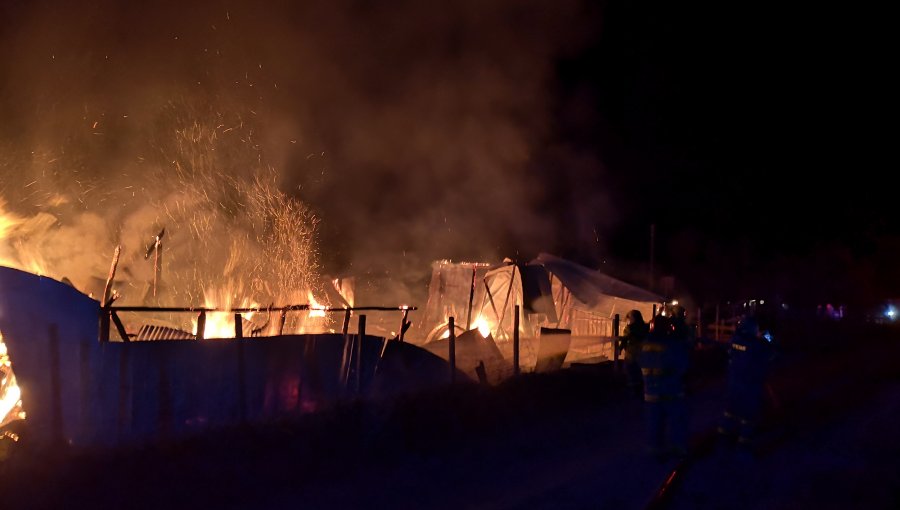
{"points": [[552, 293]]}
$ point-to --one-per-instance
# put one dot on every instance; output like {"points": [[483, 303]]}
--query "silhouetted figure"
{"points": [[749, 357], [664, 362], [683, 330], [633, 337]]}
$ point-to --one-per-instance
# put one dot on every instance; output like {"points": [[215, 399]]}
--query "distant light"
{"points": [[674, 302], [891, 312], [762, 301]]}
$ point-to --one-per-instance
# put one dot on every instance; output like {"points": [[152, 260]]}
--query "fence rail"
{"points": [[109, 316]]}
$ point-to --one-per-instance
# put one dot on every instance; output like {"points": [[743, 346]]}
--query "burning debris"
{"points": [[10, 394], [232, 238]]}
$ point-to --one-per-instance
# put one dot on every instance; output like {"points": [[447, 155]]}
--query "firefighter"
{"points": [[679, 322], [664, 362], [750, 354], [634, 335]]}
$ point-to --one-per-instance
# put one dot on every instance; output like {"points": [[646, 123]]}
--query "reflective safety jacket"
{"points": [[664, 362], [749, 358]]}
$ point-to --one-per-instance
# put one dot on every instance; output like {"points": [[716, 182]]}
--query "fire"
{"points": [[221, 324], [315, 308], [10, 393], [8, 221], [483, 326], [218, 325], [14, 252]]}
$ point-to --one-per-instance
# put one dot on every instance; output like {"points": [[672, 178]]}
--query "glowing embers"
{"points": [[10, 393], [315, 308]]}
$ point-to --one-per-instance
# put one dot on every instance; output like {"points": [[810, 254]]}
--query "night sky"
{"points": [[743, 133], [747, 135]]}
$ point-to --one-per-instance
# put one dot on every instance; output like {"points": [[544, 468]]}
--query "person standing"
{"points": [[664, 361], [682, 329], [633, 337], [749, 357]]}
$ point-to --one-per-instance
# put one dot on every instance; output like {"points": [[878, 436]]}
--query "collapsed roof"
{"points": [[554, 291]]}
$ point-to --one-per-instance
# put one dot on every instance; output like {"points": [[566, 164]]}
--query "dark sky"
{"points": [[480, 131], [747, 135]]}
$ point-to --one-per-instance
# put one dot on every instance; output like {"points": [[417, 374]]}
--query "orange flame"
{"points": [[315, 308], [13, 252], [10, 393], [481, 324], [221, 324]]}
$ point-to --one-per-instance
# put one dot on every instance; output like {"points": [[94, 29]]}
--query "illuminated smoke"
{"points": [[410, 130]]}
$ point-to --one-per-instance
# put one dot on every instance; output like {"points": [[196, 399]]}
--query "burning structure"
{"points": [[86, 391], [567, 311], [102, 357]]}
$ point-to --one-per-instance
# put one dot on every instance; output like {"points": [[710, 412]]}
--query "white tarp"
{"points": [[596, 291]]}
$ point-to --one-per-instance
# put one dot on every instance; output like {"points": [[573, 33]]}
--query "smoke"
{"points": [[405, 131]]}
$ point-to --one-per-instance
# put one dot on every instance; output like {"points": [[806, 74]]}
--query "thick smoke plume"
{"points": [[406, 131]]}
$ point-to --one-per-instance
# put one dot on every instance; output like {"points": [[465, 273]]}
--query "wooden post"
{"points": [[201, 325], [615, 336], [403, 324], [157, 265], [516, 341], [238, 326], [654, 310], [360, 334], [281, 321], [452, 353], [471, 299], [104, 324], [112, 275], [346, 326], [105, 300]]}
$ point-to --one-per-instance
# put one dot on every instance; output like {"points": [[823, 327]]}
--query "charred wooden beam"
{"points": [[119, 326]]}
